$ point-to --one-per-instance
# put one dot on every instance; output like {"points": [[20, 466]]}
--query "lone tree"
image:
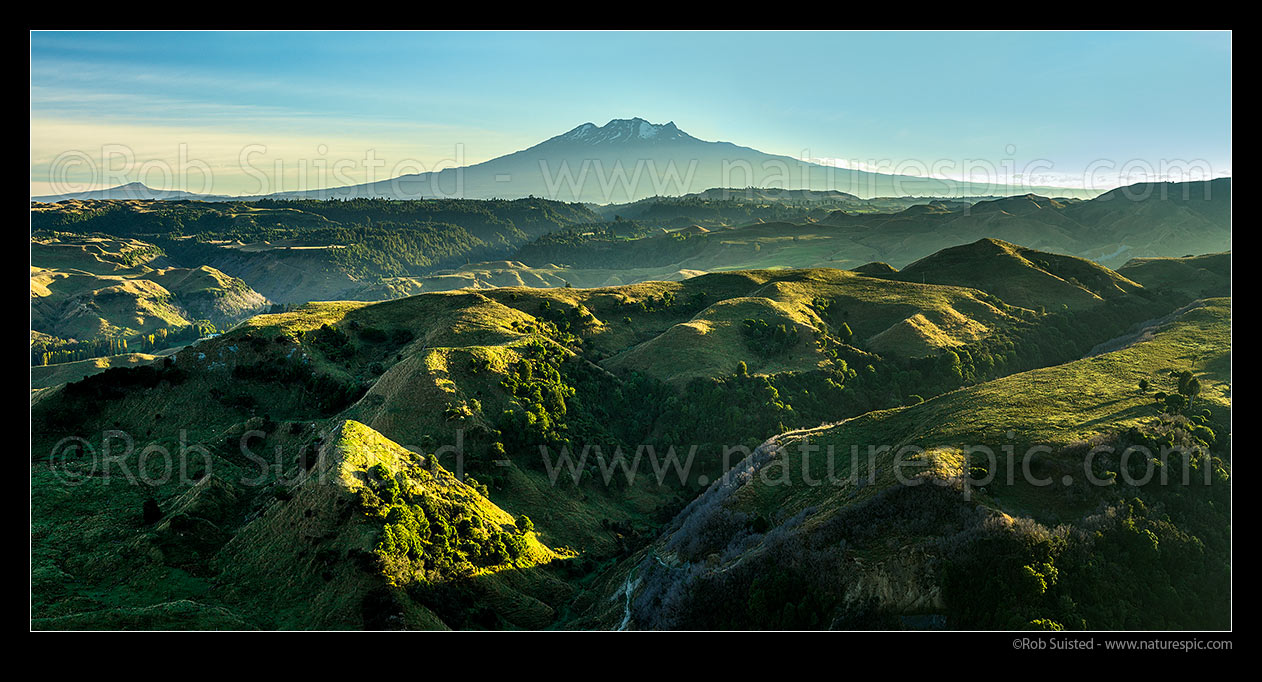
{"points": [[1143, 385], [1191, 388], [845, 333]]}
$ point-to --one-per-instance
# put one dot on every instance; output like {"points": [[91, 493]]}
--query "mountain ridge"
{"points": [[625, 160]]}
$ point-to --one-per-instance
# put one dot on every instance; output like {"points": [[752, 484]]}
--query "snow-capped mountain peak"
{"points": [[623, 130]]}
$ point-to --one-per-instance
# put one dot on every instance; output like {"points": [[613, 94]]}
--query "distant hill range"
{"points": [[1139, 221], [297, 251], [131, 191], [623, 161]]}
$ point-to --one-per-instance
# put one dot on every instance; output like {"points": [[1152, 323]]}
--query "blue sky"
{"points": [[143, 105]]}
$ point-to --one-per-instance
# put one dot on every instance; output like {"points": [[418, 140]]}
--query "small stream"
{"points": [[628, 589]]}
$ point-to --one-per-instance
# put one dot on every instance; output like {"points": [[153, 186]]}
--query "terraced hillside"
{"points": [[501, 458]]}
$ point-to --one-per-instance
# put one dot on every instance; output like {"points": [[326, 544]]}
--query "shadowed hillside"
{"points": [[1201, 276], [1137, 222], [1020, 276]]}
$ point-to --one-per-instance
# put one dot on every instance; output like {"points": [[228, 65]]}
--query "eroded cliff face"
{"points": [[868, 557], [903, 584], [665, 592]]}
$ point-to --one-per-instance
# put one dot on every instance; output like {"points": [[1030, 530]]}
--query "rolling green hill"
{"points": [[938, 528], [91, 294], [368, 465], [293, 251], [1139, 221], [1020, 276], [422, 524], [1201, 276], [894, 319]]}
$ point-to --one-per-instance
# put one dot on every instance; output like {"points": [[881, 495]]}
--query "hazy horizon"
{"points": [[106, 111]]}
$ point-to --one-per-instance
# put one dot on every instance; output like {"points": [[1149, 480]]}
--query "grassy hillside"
{"points": [[327, 446], [1020, 276], [1159, 220], [94, 255], [46, 376], [1200, 276], [893, 319], [933, 530], [382, 528], [91, 294]]}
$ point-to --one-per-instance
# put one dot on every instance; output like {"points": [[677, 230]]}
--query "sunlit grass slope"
{"points": [[306, 561], [901, 319]]}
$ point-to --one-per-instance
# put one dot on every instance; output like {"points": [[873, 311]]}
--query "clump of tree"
{"points": [[540, 393], [766, 339], [650, 304], [425, 537], [1153, 554], [334, 343], [327, 393], [1186, 389], [834, 316]]}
